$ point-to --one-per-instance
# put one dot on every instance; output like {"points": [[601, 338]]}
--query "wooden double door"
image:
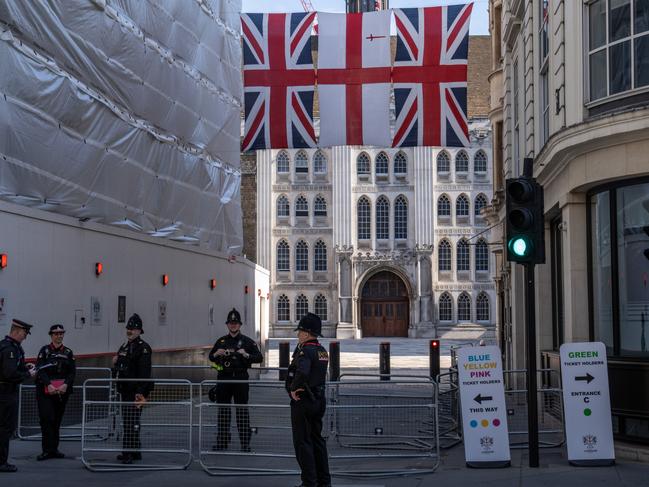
{"points": [[384, 306]]}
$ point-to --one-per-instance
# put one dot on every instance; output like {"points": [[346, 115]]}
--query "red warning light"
{"points": [[165, 279], [434, 343], [99, 268], [246, 289], [212, 283], [3, 261]]}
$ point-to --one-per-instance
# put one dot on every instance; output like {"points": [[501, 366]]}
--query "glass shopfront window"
{"points": [[619, 218]]}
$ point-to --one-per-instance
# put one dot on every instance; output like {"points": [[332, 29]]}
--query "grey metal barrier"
{"points": [[28, 419], [365, 419], [450, 417], [158, 434], [550, 409]]}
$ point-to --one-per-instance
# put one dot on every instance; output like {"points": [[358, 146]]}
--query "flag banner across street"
{"points": [[587, 403], [356, 78], [484, 412]]}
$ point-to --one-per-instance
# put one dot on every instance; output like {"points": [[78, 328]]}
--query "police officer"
{"points": [[13, 371], [54, 380], [133, 361], [233, 355], [305, 382]]}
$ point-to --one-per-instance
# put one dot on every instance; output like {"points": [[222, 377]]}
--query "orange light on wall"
{"points": [[165, 279], [246, 289], [3, 261], [99, 268], [212, 283]]}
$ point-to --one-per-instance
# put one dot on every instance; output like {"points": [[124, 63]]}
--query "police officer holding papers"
{"points": [[233, 354], [13, 371], [305, 382], [133, 361]]}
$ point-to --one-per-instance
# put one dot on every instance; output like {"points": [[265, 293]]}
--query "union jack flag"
{"points": [[430, 75], [278, 80]]}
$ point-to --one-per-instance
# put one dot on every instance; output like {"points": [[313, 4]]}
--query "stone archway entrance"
{"points": [[384, 306]]}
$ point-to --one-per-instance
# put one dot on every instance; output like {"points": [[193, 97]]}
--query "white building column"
{"points": [[265, 208]]}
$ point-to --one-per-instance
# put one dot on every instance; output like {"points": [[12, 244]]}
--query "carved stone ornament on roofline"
{"points": [[344, 249], [405, 257], [424, 249]]}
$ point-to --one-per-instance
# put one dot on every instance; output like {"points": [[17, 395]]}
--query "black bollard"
{"points": [[334, 361], [284, 354], [384, 360], [434, 359]]}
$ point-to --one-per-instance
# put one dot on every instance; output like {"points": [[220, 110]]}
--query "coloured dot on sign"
{"points": [[484, 423], [474, 423], [587, 412], [496, 422]]}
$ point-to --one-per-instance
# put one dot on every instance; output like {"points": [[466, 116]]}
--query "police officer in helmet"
{"points": [[133, 361], [13, 371], [233, 354], [54, 380], [305, 383]]}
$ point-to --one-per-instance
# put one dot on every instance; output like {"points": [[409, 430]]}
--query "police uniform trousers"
{"points": [[310, 446], [131, 415], [50, 413], [225, 392], [8, 418]]}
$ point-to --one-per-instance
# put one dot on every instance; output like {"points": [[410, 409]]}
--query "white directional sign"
{"points": [[587, 404], [484, 414]]}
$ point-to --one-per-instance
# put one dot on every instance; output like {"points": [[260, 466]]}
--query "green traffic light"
{"points": [[519, 247]]}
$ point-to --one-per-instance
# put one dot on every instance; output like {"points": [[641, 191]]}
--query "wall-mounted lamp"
{"points": [[165, 279], [99, 268], [3, 261], [212, 283]]}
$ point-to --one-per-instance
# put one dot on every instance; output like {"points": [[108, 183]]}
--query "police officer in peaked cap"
{"points": [[13, 370], [54, 380], [233, 354], [133, 361], [305, 383]]}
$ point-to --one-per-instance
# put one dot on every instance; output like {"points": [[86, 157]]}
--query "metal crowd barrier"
{"points": [[365, 419], [165, 427], [28, 420], [450, 415]]}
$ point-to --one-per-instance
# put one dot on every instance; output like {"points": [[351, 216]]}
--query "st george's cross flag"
{"points": [[278, 79], [354, 78], [430, 76]]}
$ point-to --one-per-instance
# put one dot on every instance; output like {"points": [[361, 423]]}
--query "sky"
{"points": [[479, 16]]}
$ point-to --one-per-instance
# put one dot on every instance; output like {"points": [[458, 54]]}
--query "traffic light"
{"points": [[525, 232]]}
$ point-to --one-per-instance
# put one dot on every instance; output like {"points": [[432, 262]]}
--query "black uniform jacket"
{"points": [[12, 365], [134, 362], [55, 363], [234, 363], [308, 369]]}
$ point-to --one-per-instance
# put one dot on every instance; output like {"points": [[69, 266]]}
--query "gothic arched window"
{"points": [[301, 256], [283, 308], [283, 163], [320, 256], [283, 207], [464, 307], [462, 206], [481, 256], [480, 203], [444, 256], [463, 262], [480, 162], [301, 162], [320, 206], [381, 163], [301, 307], [363, 164], [363, 217], [401, 217], [445, 307], [320, 307], [301, 206], [319, 162], [443, 206], [482, 307], [382, 218], [461, 162], [283, 256], [400, 163]]}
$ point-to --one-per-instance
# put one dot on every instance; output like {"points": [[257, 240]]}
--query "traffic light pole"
{"points": [[532, 396]]}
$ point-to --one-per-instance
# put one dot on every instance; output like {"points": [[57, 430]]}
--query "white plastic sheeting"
{"points": [[126, 112]]}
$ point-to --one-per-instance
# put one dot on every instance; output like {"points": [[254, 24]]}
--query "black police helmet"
{"points": [[134, 323], [233, 317], [311, 323]]}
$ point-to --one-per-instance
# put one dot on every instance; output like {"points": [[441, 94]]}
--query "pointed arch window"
{"points": [[382, 218], [283, 308], [445, 307], [301, 256], [443, 206], [444, 256], [482, 307], [363, 218], [301, 206], [443, 163], [363, 164], [462, 162], [462, 206], [481, 256], [320, 163], [480, 203], [320, 206], [320, 307], [301, 163], [401, 217], [464, 307], [480, 162], [283, 256], [463, 263], [400, 163], [320, 256], [283, 207], [381, 164], [301, 307], [283, 163]]}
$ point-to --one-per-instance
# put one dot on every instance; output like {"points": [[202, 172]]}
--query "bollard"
{"points": [[434, 359], [284, 354], [334, 361], [384, 360]]}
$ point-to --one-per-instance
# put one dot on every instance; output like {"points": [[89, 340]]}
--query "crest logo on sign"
{"points": [[487, 443], [590, 442]]}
